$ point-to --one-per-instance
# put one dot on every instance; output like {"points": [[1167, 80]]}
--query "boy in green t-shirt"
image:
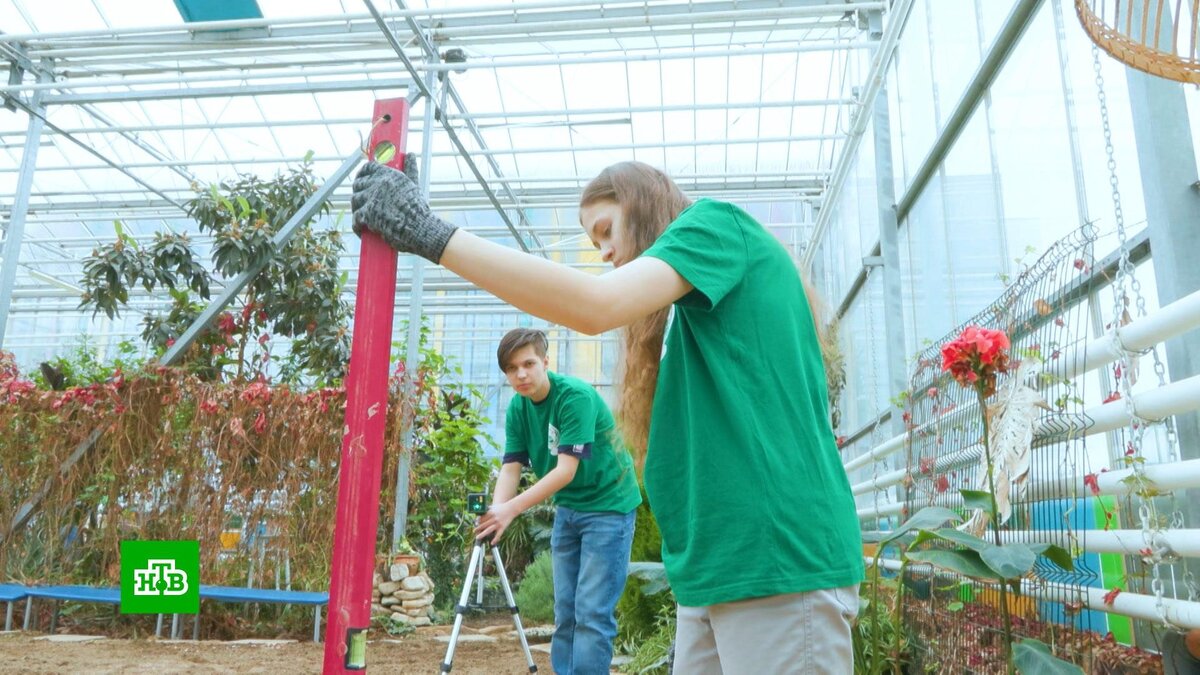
{"points": [[561, 428]]}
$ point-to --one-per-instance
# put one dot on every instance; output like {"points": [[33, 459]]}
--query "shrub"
{"points": [[653, 654], [535, 596], [638, 611]]}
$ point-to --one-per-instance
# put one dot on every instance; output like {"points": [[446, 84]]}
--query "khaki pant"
{"points": [[803, 633]]}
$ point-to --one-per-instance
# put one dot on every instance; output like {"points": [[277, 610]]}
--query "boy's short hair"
{"points": [[518, 338]]}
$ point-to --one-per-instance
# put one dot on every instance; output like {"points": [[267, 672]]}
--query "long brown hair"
{"points": [[649, 201]]}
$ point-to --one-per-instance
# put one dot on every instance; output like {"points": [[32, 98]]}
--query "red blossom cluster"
{"points": [[13, 387], [226, 323], [976, 357], [257, 392], [322, 396]]}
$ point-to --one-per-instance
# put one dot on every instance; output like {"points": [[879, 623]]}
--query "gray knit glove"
{"points": [[389, 203]]}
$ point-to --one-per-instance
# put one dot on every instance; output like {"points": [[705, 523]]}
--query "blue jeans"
{"points": [[591, 558]]}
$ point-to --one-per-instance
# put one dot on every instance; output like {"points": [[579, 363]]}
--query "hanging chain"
{"points": [[1156, 551]]}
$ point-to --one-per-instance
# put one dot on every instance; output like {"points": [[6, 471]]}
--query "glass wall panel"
{"points": [[1032, 144], [952, 252]]}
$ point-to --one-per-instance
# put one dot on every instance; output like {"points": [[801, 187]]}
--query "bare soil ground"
{"points": [[417, 652]]}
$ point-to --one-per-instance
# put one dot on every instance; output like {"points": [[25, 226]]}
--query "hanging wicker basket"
{"points": [[1131, 31]]}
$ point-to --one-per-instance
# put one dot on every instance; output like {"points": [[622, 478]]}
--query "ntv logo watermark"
{"points": [[160, 577]]}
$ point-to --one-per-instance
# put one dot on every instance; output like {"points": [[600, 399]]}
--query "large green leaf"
{"points": [[977, 499], [952, 535], [1055, 554], [967, 563], [927, 518], [1009, 561], [1032, 657]]}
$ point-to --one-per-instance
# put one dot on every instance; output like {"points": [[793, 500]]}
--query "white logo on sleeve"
{"points": [[667, 331], [552, 434]]}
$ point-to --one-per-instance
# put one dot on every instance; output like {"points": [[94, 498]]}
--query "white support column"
{"points": [[15, 233], [1168, 322], [1181, 613], [1166, 477]]}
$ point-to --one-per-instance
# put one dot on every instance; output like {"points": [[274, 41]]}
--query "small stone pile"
{"points": [[406, 595]]}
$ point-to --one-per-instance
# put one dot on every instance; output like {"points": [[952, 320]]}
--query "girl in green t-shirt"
{"points": [[722, 396]]}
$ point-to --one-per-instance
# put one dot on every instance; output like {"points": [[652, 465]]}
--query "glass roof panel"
{"points": [[744, 100]]}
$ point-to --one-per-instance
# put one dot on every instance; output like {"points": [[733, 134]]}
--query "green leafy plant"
{"points": [[1033, 657], [447, 462], [296, 294], [535, 595], [83, 365], [654, 653], [643, 601], [974, 359], [526, 538], [877, 633], [392, 626]]}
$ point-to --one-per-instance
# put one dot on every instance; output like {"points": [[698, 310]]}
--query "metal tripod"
{"points": [[461, 608]]}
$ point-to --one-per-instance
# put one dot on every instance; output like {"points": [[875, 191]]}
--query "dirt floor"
{"points": [[417, 652]]}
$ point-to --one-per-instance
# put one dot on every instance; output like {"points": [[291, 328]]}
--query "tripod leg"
{"points": [[479, 586], [476, 559], [512, 607]]}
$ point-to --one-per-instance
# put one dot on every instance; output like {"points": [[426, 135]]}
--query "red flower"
{"points": [[1111, 596], [941, 484], [927, 464], [262, 339], [975, 357], [257, 392], [226, 323], [260, 423], [1115, 396], [209, 406], [1092, 484]]}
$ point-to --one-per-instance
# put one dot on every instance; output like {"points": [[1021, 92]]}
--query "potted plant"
{"points": [[405, 555]]}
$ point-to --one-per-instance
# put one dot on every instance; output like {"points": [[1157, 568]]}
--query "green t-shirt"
{"points": [[573, 420], [742, 469]]}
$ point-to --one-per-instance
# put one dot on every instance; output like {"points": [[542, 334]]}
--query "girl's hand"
{"points": [[492, 524]]}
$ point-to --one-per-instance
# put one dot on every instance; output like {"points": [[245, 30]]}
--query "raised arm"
{"points": [[389, 203], [561, 294]]}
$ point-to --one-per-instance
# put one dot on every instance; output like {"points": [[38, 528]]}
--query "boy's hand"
{"points": [[389, 203], [492, 524]]}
